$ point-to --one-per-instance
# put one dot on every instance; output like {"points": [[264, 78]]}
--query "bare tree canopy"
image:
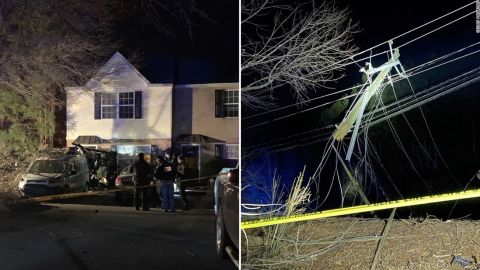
{"points": [[295, 46], [49, 44]]}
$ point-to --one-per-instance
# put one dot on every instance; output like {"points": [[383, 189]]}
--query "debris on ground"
{"points": [[460, 261], [350, 243]]}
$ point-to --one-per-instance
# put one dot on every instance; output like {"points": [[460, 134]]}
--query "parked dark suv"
{"points": [[226, 211]]}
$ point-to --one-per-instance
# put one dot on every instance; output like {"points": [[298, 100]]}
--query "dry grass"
{"points": [[350, 243], [266, 248]]}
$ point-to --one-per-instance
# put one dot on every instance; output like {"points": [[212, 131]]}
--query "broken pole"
{"points": [[357, 186], [356, 113]]}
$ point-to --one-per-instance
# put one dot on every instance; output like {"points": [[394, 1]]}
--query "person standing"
{"points": [[180, 170], [141, 172], [163, 173]]}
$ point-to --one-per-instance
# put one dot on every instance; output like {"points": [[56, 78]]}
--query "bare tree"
{"points": [[49, 44], [297, 46], [165, 13]]}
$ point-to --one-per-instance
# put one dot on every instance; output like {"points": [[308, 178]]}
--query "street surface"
{"points": [[95, 233]]}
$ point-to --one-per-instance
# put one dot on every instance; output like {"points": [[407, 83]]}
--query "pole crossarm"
{"points": [[357, 109]]}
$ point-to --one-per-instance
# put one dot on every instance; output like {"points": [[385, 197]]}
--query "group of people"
{"points": [[166, 172]]}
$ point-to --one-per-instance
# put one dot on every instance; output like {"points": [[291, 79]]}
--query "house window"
{"points": [[226, 103], [126, 105], [230, 103], [109, 106], [230, 151]]}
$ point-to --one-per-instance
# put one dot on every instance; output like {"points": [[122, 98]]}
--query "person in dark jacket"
{"points": [[141, 172], [164, 174], [180, 170]]}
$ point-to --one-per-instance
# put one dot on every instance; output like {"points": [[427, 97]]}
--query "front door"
{"points": [[192, 159]]}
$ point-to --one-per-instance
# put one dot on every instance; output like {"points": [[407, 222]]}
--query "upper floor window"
{"points": [[109, 105], [127, 104], [226, 103]]}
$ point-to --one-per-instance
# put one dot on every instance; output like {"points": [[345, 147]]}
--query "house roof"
{"points": [[158, 69], [89, 140], [117, 65], [197, 138]]}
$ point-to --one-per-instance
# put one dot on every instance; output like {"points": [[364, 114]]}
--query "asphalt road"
{"points": [[79, 234]]}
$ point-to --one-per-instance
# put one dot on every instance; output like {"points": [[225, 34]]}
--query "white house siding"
{"points": [[203, 114], [117, 75], [156, 122]]}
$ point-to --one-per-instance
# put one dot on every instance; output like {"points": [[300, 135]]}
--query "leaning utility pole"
{"points": [[355, 115]]}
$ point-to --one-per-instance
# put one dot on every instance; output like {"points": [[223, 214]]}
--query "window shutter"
{"points": [[138, 104], [219, 103], [98, 106]]}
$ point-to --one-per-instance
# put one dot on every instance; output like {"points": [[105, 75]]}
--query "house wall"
{"points": [[201, 100], [155, 125], [182, 114]]}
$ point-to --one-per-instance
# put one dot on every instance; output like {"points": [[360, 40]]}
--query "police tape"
{"points": [[100, 192], [462, 195]]}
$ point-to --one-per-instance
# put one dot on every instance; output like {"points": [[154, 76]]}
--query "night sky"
{"points": [[452, 119], [210, 56]]}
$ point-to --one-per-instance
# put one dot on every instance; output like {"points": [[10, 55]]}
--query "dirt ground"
{"points": [[351, 243]]}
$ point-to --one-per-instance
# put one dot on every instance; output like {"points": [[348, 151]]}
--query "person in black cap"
{"points": [[141, 172]]}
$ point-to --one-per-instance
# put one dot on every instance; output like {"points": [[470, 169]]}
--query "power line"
{"points": [[412, 30], [448, 84], [302, 111], [436, 29], [411, 99], [291, 136], [349, 96], [414, 105], [354, 87], [340, 65], [295, 105]]}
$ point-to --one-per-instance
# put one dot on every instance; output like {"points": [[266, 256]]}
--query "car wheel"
{"points": [[222, 239]]}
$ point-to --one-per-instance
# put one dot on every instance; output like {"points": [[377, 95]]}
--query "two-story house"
{"points": [[122, 110]]}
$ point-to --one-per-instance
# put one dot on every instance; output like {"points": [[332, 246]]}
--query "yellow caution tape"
{"points": [[249, 224], [90, 193]]}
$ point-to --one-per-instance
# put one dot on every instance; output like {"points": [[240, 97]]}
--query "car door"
{"points": [[231, 203], [73, 175], [84, 175]]}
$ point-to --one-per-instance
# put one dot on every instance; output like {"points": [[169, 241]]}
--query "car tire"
{"points": [[222, 239]]}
